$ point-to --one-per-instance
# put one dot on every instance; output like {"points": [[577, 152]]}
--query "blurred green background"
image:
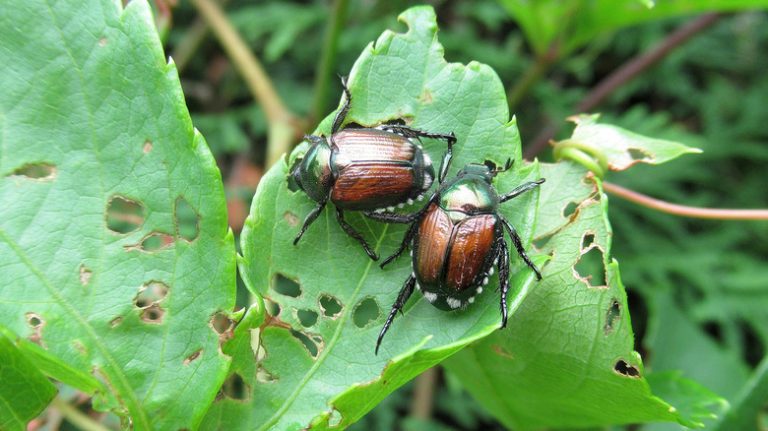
{"points": [[698, 290]]}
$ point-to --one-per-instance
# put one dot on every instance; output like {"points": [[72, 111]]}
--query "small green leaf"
{"points": [[333, 376], [620, 148], [567, 359], [693, 402], [24, 391], [113, 235]]}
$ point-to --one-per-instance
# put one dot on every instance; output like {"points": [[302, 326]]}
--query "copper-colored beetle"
{"points": [[457, 239], [363, 169]]}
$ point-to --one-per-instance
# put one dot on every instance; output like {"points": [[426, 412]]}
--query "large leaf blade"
{"points": [[100, 166], [402, 75]]}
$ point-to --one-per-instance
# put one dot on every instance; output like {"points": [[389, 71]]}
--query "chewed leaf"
{"points": [[327, 300], [572, 339], [622, 148], [113, 227]]}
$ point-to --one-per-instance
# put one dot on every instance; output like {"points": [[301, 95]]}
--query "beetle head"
{"points": [[487, 169], [294, 175]]}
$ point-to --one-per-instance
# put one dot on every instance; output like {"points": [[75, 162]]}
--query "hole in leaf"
{"points": [[637, 154], [542, 241], [193, 356], [264, 376], [291, 218], [155, 241], [587, 240], [221, 323], [259, 352], [331, 306], [85, 275], [286, 286], [37, 171], [590, 269], [335, 418], [273, 308], [613, 314], [308, 342], [151, 293], [365, 312], [115, 322], [187, 220], [153, 314], [307, 318], [570, 209], [124, 215], [623, 368], [715, 330], [147, 146], [34, 320], [753, 350], [234, 387]]}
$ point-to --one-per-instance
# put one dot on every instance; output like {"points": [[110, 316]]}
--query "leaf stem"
{"points": [[749, 402], [283, 125], [423, 394], [683, 210], [626, 73], [77, 418], [328, 59], [534, 72]]}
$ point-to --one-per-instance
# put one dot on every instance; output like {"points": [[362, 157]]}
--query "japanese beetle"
{"points": [[457, 238], [363, 169]]}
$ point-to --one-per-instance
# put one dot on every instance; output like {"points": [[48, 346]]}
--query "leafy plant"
{"points": [[121, 270]]}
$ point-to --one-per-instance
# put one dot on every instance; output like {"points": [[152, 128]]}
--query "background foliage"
{"points": [[697, 290]]}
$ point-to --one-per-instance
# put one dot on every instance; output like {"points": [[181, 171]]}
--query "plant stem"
{"points": [[531, 76], [184, 50], [683, 210], [626, 73], [327, 60], [750, 401], [76, 417], [423, 394], [279, 117]]}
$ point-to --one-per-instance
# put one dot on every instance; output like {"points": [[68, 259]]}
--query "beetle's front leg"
{"points": [[517, 191], [519, 246], [410, 132], [354, 234], [402, 298], [342, 114], [311, 217]]}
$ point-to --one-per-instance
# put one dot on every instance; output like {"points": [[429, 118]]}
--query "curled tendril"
{"points": [[590, 158]]}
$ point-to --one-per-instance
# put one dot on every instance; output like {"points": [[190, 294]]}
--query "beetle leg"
{"points": [[446, 163], [409, 132], [393, 217], [519, 246], [403, 245], [517, 191], [503, 257], [354, 234], [402, 298], [342, 114], [311, 217]]}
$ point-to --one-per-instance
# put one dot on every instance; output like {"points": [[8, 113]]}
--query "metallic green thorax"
{"points": [[470, 193], [312, 173]]}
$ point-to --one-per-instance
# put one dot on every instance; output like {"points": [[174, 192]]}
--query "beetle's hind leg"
{"points": [[355, 234], [407, 240], [503, 256], [402, 298], [311, 217]]}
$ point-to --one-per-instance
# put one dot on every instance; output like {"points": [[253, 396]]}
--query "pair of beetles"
{"points": [[456, 238]]}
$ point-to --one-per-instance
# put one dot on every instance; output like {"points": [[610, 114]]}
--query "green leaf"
{"points": [[620, 148], [572, 24], [693, 401], [100, 173], [748, 410], [567, 358], [333, 376], [24, 391]]}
